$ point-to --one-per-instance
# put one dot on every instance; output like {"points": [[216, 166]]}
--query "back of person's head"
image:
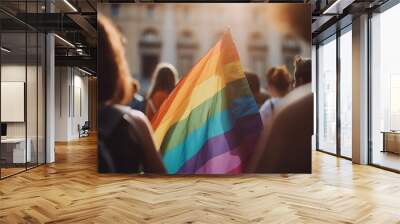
{"points": [[164, 79], [279, 79], [302, 71], [115, 81], [269, 72], [254, 81]]}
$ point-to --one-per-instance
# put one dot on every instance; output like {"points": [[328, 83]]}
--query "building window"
{"points": [[326, 136], [186, 12], [150, 11], [186, 50], [257, 13], [290, 48], [150, 49], [114, 10], [346, 94], [334, 94], [385, 89], [22, 103], [257, 48]]}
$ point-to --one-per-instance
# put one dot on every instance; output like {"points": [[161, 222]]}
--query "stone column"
{"points": [[168, 51], [50, 98], [360, 90]]}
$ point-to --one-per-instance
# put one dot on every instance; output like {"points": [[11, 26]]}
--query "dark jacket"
{"points": [[125, 143]]}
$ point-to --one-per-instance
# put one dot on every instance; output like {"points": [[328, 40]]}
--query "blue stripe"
{"points": [[215, 125]]}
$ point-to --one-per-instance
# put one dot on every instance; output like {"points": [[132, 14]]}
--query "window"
{"points": [[150, 11], [115, 9], [186, 12], [150, 50], [290, 48], [394, 102], [186, 50], [258, 49], [22, 76], [334, 63], [327, 96], [14, 157], [346, 94], [385, 89]]}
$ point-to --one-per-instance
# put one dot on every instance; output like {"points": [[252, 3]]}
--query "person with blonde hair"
{"points": [[163, 82], [125, 142], [278, 85]]}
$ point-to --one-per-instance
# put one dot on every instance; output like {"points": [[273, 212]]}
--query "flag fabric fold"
{"points": [[210, 123]]}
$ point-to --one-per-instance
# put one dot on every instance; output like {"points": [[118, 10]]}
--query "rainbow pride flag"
{"points": [[210, 123]]}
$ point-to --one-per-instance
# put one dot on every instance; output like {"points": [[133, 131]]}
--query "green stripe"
{"points": [[198, 116]]}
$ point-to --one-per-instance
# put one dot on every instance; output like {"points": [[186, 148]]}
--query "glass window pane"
{"points": [[41, 98], [32, 88], [385, 87], [14, 153], [22, 89], [314, 89], [346, 94], [327, 97], [31, 97]]}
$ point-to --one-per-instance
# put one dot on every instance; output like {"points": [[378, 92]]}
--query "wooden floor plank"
{"points": [[71, 191]]}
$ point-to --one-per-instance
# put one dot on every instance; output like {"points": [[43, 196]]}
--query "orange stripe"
{"points": [[198, 95], [188, 78], [222, 53]]}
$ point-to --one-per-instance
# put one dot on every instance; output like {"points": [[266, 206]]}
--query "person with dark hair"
{"points": [[302, 71], [137, 102], [254, 83], [125, 142], [278, 85], [163, 82]]}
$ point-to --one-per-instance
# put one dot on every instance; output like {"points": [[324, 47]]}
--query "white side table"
{"points": [[18, 148]]}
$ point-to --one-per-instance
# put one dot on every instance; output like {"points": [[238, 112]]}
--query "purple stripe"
{"points": [[245, 133], [221, 164]]}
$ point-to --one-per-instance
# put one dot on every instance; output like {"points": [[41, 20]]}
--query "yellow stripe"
{"points": [[186, 101]]}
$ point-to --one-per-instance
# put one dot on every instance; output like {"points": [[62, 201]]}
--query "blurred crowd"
{"points": [[121, 127], [279, 82]]}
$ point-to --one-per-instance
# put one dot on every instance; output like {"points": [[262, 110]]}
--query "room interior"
{"points": [[25, 65], [22, 101], [48, 171]]}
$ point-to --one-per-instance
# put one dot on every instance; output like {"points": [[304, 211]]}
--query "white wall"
{"points": [[50, 95], [33, 126], [16, 73], [80, 100], [71, 103], [62, 82]]}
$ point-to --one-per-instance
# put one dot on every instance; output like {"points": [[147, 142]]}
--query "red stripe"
{"points": [[236, 170]]}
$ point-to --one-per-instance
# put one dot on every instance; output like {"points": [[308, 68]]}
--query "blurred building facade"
{"points": [[181, 33]]}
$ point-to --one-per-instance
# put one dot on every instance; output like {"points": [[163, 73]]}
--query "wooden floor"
{"points": [[387, 159], [5, 172], [71, 191]]}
